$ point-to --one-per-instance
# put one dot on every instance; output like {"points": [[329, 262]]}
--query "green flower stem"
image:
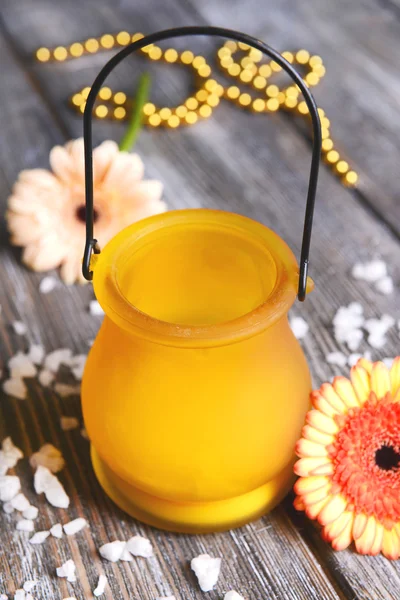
{"points": [[135, 122]]}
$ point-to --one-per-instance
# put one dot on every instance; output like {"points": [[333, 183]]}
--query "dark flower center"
{"points": [[81, 214], [387, 458]]}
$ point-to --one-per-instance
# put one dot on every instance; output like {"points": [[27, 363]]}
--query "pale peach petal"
{"points": [[377, 545], [391, 544], [24, 229], [380, 380], [322, 422], [307, 466], [395, 375], [365, 364], [329, 393], [317, 495], [61, 163], [125, 170], [145, 191], [360, 523], [312, 511], [305, 448], [322, 405], [71, 270], [345, 538], [40, 178], [309, 484], [365, 542], [361, 383], [335, 507], [142, 212], [103, 155], [334, 529], [314, 435], [76, 151], [346, 392]]}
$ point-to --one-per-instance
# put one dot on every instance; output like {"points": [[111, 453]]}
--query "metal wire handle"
{"points": [[91, 243]]}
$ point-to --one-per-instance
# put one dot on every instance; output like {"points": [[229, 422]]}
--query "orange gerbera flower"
{"points": [[349, 463]]}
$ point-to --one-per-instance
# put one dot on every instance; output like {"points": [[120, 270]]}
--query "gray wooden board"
{"points": [[250, 164]]}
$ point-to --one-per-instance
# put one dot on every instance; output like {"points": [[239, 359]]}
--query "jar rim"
{"points": [[126, 315]]}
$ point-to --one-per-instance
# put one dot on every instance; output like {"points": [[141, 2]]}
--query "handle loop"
{"points": [[91, 243]]}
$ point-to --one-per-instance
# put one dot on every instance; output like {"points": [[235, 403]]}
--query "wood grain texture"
{"points": [[250, 164]]}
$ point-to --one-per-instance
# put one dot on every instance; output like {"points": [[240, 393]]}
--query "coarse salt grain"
{"points": [[347, 324], [3, 597], [30, 513], [377, 329], [59, 357], [19, 327], [15, 387], [20, 502], [74, 526], [385, 285], [353, 359], [299, 327], [95, 309], [68, 423], [139, 546], [9, 455], [48, 456], [39, 537], [36, 354], [113, 550], [20, 365], [30, 584], [25, 525], [19, 595], [77, 365], [233, 596], [206, 569], [166, 598], [65, 390], [9, 487], [56, 531], [47, 284], [101, 586], [8, 508], [370, 271], [388, 362], [46, 377], [126, 556], [336, 358], [67, 570], [45, 481]]}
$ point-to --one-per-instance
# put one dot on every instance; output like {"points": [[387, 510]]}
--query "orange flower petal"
{"points": [[309, 484], [313, 466], [395, 376], [333, 530], [322, 405], [391, 544], [360, 523], [345, 390], [335, 507], [313, 510], [305, 448], [322, 422], [314, 435], [317, 495], [365, 364], [365, 542], [334, 399], [380, 380], [345, 538], [298, 503], [377, 545], [361, 382]]}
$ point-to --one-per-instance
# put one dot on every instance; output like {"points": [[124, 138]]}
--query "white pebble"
{"points": [[74, 526], [36, 354], [46, 377], [30, 584], [56, 531], [207, 570], [45, 481], [59, 357], [112, 551], [385, 285], [67, 570], [139, 546], [78, 365], [48, 456], [25, 525], [299, 327], [68, 423], [20, 502], [47, 284], [336, 358], [9, 455], [30, 513], [20, 365], [65, 390], [39, 537], [101, 586], [15, 387], [9, 487], [370, 271], [95, 309], [233, 596], [19, 327], [8, 508]]}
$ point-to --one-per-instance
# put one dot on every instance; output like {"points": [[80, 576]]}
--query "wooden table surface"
{"points": [[251, 164]]}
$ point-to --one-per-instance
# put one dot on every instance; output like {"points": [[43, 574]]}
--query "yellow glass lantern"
{"points": [[195, 389]]}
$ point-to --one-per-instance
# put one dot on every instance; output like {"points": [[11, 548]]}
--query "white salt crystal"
{"points": [[377, 329], [36, 354], [95, 309], [347, 324], [25, 525], [30, 584], [15, 387], [299, 327], [233, 596], [78, 365], [139, 546], [207, 570], [30, 513], [65, 390], [9, 455], [9, 487], [370, 271], [354, 339], [19, 595], [20, 365], [353, 359], [56, 531], [19, 327], [126, 556], [336, 358], [47, 284], [20, 502], [8, 508], [39, 537], [112, 551], [68, 423], [74, 526], [55, 359], [67, 570], [46, 377], [28, 597], [166, 598], [388, 362], [45, 481], [48, 456], [101, 586], [385, 285], [3, 597]]}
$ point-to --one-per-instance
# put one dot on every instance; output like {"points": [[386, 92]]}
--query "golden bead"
{"points": [[101, 111], [302, 57], [321, 112], [315, 60], [332, 156], [155, 53], [171, 55], [173, 122], [60, 53], [231, 45], [105, 93], [233, 92], [219, 90], [91, 45], [325, 122], [291, 102], [281, 97], [165, 113], [137, 36], [303, 108], [292, 91], [154, 120], [204, 71], [252, 68], [82, 107], [149, 109], [120, 98], [350, 178], [246, 76], [342, 167], [85, 92], [258, 105], [181, 111], [123, 39], [275, 67], [213, 100], [325, 133], [43, 54], [191, 118], [187, 57], [244, 99], [226, 61], [272, 104], [201, 95], [77, 99], [246, 61], [255, 55], [224, 52], [198, 61], [205, 111], [211, 85], [311, 79], [288, 55], [272, 91], [76, 50], [107, 41], [319, 70], [119, 112], [265, 71], [259, 82], [243, 46], [192, 103], [327, 145], [146, 49], [234, 70]]}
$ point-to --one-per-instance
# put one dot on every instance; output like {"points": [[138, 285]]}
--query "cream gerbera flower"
{"points": [[349, 463], [47, 209]]}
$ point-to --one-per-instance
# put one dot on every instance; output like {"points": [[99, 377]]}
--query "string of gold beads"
{"points": [[247, 71]]}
